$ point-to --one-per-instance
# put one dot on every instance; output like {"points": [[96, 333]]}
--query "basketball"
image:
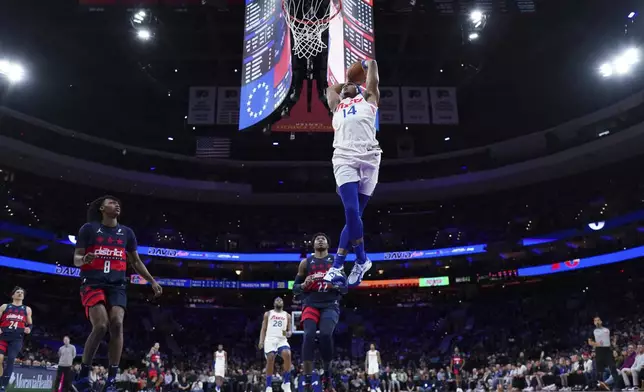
{"points": [[356, 74]]}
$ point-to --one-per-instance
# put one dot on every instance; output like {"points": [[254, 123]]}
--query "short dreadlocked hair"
{"points": [[316, 235], [94, 213]]}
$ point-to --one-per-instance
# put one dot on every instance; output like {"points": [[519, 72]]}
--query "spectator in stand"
{"points": [[183, 385], [402, 379], [551, 374], [634, 370]]}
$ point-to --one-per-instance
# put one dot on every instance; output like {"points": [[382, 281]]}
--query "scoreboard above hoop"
{"points": [[351, 38]]}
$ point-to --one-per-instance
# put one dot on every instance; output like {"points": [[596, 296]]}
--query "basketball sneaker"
{"points": [[286, 387], [270, 389], [334, 274], [357, 272]]}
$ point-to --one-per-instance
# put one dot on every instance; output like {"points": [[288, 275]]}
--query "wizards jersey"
{"points": [[13, 322], [110, 245], [321, 294]]}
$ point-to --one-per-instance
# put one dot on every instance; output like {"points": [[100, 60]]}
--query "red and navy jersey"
{"points": [[321, 294], [110, 245], [13, 322], [457, 360], [155, 360]]}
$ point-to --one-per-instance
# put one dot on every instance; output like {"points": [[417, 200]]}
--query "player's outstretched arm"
{"points": [[333, 95], [262, 333], [373, 80]]}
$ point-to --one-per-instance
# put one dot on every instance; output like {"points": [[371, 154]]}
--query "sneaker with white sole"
{"points": [[357, 273], [286, 387], [333, 274]]}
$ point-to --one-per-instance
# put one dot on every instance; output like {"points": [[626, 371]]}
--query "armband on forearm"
{"points": [[297, 285]]}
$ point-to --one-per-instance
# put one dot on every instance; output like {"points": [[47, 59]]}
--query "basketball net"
{"points": [[308, 19]]}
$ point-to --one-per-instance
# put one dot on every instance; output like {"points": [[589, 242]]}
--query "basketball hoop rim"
{"points": [[310, 22]]}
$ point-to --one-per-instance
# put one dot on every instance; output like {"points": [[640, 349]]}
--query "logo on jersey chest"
{"points": [[344, 105], [14, 317], [109, 253]]}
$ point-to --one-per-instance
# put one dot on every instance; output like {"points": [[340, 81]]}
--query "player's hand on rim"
{"points": [[89, 257]]}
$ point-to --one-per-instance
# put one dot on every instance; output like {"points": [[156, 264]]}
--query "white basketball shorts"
{"points": [[360, 168], [220, 371], [373, 369], [275, 345]]}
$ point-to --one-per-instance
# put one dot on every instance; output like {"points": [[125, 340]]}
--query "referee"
{"points": [[64, 378], [603, 352]]}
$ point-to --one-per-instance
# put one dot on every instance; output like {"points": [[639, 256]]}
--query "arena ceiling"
{"points": [[534, 65]]}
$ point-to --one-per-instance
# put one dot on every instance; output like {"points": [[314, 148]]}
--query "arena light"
{"points": [[14, 72], [622, 64], [632, 15], [476, 16], [597, 225], [473, 36], [144, 34], [139, 17]]}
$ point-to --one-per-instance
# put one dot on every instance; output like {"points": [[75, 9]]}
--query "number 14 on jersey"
{"points": [[351, 111]]}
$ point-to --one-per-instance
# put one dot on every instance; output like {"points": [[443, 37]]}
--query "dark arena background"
{"points": [[509, 213]]}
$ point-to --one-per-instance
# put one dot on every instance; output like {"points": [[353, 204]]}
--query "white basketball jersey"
{"points": [[277, 322], [220, 359], [354, 123], [372, 356]]}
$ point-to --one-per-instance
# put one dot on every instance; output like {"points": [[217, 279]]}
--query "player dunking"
{"points": [[221, 359], [356, 162], [276, 328], [15, 322], [103, 248], [372, 364], [321, 301]]}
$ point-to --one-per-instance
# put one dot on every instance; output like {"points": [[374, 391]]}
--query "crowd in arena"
{"points": [[530, 336]]}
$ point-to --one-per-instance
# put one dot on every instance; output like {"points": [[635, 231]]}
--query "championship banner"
{"points": [[228, 105], [389, 108], [444, 106], [201, 106], [31, 379], [415, 105]]}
